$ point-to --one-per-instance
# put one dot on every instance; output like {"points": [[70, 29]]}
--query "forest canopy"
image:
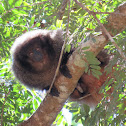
{"points": [[95, 24]]}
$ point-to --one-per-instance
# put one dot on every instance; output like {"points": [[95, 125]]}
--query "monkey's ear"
{"points": [[57, 35]]}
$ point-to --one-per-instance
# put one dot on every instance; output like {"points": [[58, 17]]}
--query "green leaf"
{"points": [[95, 67], [1, 9]]}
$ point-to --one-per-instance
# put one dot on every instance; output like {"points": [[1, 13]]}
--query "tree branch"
{"points": [[62, 10]]}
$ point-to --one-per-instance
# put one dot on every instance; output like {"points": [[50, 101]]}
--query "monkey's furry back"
{"points": [[37, 72]]}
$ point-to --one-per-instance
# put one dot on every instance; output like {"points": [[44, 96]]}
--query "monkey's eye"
{"points": [[38, 49], [34, 51], [30, 54], [36, 55]]}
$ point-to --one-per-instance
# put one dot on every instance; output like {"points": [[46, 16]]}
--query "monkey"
{"points": [[35, 56]]}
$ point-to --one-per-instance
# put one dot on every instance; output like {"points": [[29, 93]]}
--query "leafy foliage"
{"points": [[17, 102]]}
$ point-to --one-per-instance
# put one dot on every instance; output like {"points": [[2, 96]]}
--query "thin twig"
{"points": [[62, 10], [85, 96], [119, 50], [58, 66], [67, 28], [108, 13]]}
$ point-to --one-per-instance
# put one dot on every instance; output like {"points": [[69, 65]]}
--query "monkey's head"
{"points": [[35, 57]]}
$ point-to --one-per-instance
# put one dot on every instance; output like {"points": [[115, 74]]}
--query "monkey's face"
{"points": [[36, 55]]}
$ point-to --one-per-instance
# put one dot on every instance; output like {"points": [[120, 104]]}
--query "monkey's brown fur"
{"points": [[40, 72], [35, 57], [91, 85]]}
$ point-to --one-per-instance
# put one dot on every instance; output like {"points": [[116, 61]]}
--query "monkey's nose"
{"points": [[37, 55]]}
